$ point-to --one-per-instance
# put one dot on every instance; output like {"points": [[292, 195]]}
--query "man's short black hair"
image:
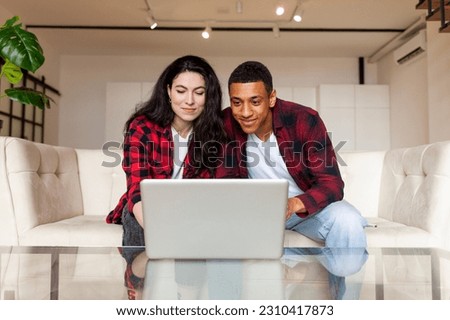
{"points": [[252, 71]]}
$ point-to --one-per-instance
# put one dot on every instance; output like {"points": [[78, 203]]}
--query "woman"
{"points": [[176, 134]]}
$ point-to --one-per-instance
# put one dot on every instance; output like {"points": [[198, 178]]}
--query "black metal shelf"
{"points": [[437, 10]]}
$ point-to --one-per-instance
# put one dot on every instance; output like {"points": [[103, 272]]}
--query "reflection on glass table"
{"points": [[302, 274], [248, 279]]}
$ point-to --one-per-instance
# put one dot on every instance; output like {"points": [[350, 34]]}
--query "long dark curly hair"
{"points": [[208, 132]]}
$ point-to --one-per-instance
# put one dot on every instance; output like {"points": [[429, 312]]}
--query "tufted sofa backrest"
{"points": [[415, 187], [361, 172], [40, 184]]}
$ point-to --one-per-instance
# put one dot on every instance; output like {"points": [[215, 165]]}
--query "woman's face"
{"points": [[187, 94]]}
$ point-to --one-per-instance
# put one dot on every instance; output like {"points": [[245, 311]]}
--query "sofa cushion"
{"points": [[102, 180], [293, 239], [389, 234], [361, 172], [82, 231]]}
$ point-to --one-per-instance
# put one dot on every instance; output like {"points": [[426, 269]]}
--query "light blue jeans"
{"points": [[339, 225], [340, 263]]}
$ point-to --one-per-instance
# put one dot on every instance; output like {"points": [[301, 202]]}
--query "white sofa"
{"points": [[58, 196], [404, 192]]}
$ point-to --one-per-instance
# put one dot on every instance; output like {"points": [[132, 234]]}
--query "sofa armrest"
{"points": [[8, 229], [40, 184]]}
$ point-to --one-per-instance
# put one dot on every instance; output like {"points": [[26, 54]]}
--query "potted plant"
{"points": [[20, 50]]}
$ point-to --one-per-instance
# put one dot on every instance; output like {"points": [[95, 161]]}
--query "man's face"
{"points": [[250, 104]]}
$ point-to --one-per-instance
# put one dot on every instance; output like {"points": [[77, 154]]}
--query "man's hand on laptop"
{"points": [[294, 205]]}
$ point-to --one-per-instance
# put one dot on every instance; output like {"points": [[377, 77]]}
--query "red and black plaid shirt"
{"points": [[306, 149], [148, 154]]}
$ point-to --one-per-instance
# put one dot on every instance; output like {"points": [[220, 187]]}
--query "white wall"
{"points": [[420, 95], [357, 116], [50, 69], [438, 83], [408, 94], [84, 81]]}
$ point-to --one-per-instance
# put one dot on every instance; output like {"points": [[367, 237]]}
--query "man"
{"points": [[283, 140]]}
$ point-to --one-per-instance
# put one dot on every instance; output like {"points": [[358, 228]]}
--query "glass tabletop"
{"points": [[125, 273]]}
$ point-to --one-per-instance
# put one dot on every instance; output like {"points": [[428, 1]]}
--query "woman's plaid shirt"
{"points": [[148, 154]]}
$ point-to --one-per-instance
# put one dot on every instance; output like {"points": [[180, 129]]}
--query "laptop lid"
{"points": [[214, 218]]}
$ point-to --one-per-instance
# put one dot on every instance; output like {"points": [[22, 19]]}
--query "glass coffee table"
{"points": [[85, 273]]}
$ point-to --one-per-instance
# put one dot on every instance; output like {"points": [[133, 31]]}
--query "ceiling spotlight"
{"points": [[150, 18], [279, 10], [298, 13], [151, 22], [207, 32], [298, 16]]}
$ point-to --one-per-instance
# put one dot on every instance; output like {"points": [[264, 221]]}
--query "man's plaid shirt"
{"points": [[306, 149]]}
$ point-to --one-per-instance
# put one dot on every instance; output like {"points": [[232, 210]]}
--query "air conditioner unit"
{"points": [[411, 48]]}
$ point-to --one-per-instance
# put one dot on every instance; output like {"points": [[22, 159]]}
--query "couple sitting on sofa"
{"points": [[180, 133]]}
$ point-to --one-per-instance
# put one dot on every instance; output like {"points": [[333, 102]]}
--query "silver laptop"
{"points": [[214, 218]]}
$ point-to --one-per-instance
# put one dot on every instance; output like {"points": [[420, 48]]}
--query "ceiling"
{"points": [[338, 28]]}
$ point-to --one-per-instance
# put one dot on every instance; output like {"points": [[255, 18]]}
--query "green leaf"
{"points": [[11, 22], [20, 46], [29, 96], [12, 72]]}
